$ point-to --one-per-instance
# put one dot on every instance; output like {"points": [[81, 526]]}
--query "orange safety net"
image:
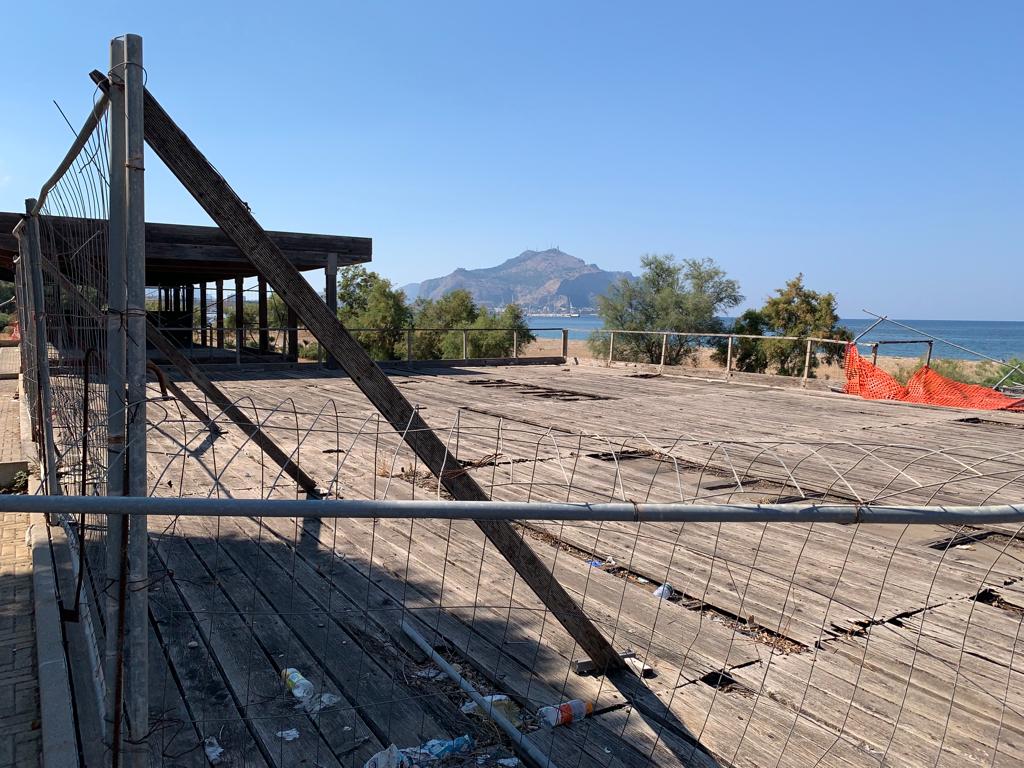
{"points": [[925, 386]]}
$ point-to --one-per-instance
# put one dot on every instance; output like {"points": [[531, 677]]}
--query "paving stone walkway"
{"points": [[19, 692]]}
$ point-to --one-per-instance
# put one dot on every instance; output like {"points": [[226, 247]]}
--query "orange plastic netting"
{"points": [[925, 386]]}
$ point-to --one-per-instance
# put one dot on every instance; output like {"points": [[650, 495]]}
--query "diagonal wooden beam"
{"points": [[228, 211]]}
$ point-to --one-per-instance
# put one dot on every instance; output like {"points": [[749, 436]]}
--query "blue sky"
{"points": [[874, 146]]}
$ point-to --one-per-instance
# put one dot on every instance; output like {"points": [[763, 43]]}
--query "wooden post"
{"points": [[231, 214], [807, 364], [465, 344], [264, 319], [728, 359], [611, 346], [664, 348], [331, 296], [515, 343], [565, 344], [239, 318], [220, 314], [293, 336], [928, 360], [874, 353], [203, 338], [190, 311]]}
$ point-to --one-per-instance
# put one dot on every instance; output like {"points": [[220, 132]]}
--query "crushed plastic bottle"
{"points": [[664, 592], [214, 751], [566, 713], [300, 687]]}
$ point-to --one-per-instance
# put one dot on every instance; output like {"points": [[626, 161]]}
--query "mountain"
{"points": [[539, 280]]}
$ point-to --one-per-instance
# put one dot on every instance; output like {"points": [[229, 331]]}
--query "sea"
{"points": [[1001, 340]]}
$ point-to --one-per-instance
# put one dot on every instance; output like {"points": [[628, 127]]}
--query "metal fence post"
{"points": [[116, 374], [515, 343], [44, 397], [928, 360], [664, 349], [807, 364], [137, 673], [611, 346], [728, 359], [565, 344], [465, 344]]}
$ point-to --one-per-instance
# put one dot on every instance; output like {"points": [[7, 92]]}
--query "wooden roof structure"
{"points": [[178, 254]]}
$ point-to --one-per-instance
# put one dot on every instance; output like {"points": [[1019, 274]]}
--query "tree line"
{"points": [[693, 296]]}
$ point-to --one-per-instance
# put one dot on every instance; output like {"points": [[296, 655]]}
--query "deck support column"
{"points": [[331, 295], [239, 318], [293, 336], [264, 324], [220, 314], [202, 314]]}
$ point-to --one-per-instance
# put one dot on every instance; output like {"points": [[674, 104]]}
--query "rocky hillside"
{"points": [[538, 280]]}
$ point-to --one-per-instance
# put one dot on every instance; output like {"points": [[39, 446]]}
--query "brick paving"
{"points": [[19, 692], [10, 421]]}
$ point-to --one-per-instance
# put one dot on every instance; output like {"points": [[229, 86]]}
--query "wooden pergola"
{"points": [[183, 260]]}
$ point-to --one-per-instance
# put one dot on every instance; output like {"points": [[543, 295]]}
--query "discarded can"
{"points": [[300, 687], [566, 713]]}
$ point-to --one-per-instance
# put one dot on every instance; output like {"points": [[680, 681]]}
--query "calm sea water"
{"points": [[999, 339]]}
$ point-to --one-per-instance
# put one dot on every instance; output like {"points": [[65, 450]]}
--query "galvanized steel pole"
{"points": [[137, 680]]}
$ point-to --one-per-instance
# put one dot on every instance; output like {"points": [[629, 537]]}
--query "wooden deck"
{"points": [[783, 645]]}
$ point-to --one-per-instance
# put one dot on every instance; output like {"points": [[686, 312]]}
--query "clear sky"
{"points": [[874, 146]]}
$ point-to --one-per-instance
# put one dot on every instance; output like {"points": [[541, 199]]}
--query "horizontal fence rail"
{"points": [[505, 510]]}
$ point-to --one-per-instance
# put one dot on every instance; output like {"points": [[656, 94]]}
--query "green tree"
{"points": [[794, 310], [491, 333], [687, 297], [367, 300]]}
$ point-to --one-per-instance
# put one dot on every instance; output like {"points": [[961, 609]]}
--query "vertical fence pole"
{"points": [[331, 295], [664, 349], [728, 359], [408, 345], [465, 344], [44, 396], [137, 678], [874, 353], [116, 304], [611, 346], [515, 343], [565, 344], [807, 364], [928, 360]]}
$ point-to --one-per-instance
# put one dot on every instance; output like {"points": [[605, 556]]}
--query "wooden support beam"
{"points": [[263, 322], [220, 314], [239, 316], [229, 212], [202, 314], [293, 335]]}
